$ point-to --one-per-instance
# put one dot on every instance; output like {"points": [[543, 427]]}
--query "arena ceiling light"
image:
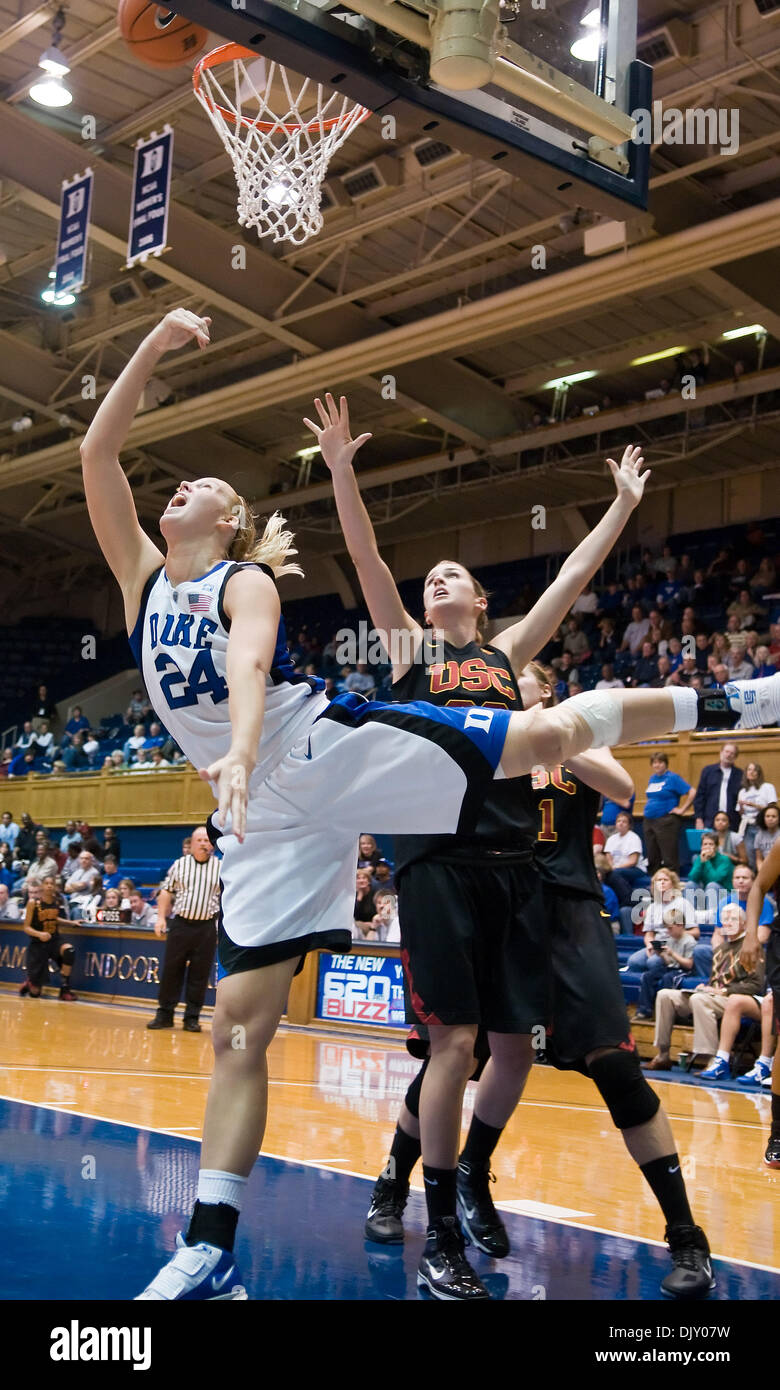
{"points": [[51, 90], [752, 328], [567, 380], [60, 301], [657, 356]]}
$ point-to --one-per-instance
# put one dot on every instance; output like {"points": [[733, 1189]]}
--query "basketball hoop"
{"points": [[279, 161]]}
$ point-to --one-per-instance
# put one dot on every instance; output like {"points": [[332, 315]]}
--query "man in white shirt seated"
{"points": [[609, 681], [626, 863], [10, 910], [83, 875]]}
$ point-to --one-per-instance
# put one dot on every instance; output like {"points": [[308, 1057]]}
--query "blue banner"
{"points": [[71, 262], [151, 196], [361, 989], [110, 964]]}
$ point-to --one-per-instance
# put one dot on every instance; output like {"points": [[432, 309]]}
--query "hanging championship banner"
{"points": [[71, 263], [151, 195]]}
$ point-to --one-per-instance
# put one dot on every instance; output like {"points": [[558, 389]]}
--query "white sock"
{"points": [[758, 701], [686, 708], [766, 1060], [215, 1187], [724, 1056]]}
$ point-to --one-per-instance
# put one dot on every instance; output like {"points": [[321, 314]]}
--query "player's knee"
{"points": [[412, 1097], [241, 1039], [453, 1048], [68, 954], [624, 1088], [546, 734]]}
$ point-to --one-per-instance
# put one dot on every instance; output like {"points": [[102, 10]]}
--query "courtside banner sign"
{"points": [[361, 989], [151, 196], [71, 262]]}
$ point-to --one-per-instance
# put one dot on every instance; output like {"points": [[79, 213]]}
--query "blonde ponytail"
{"points": [[273, 548]]}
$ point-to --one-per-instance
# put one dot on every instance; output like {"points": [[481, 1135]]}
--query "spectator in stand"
{"points": [[365, 907], [10, 911], [646, 664], [671, 957], [768, 823], [635, 632], [44, 710], [576, 642], [115, 762], [609, 680], [85, 903], [707, 1002], [728, 843], [111, 873], [44, 865], [78, 723], [360, 681], [27, 762], [702, 652], [674, 653], [156, 737], [740, 577], [587, 602], [83, 875], [606, 647], [753, 796], [70, 836], [765, 578], [567, 673], [710, 866], [662, 814], [126, 890], [71, 860], [7, 876], [45, 739], [369, 853], [26, 739], [158, 760], [718, 788], [8, 829], [139, 708], [382, 877], [759, 1010], [611, 904], [142, 915], [763, 665], [111, 843], [74, 756], [739, 667], [662, 675], [26, 839], [136, 740], [688, 670], [745, 610], [386, 922], [624, 856], [142, 762], [92, 748]]}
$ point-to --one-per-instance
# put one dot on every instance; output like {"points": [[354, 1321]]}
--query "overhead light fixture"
{"points": [[567, 380], [60, 301], [752, 328], [51, 90], [308, 452], [586, 47], [657, 356]]}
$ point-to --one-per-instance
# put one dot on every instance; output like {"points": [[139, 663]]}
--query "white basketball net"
{"points": [[279, 160]]}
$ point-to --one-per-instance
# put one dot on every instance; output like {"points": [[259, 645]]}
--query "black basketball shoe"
{"points": [[384, 1220], [444, 1269], [692, 1275], [772, 1155], [481, 1222]]}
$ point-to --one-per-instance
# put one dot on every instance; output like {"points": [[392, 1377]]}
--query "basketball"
{"points": [[158, 36]]}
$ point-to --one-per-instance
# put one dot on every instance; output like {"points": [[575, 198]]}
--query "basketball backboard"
{"points": [[560, 81]]}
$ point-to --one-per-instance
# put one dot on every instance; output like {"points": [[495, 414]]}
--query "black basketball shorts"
{"points": [[587, 1008], [472, 944], [773, 971]]}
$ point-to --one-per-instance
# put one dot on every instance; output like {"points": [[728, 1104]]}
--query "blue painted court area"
{"points": [[90, 1209]]}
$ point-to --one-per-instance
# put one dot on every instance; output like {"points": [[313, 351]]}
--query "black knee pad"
{"points": [[67, 955], [624, 1087], [412, 1097]]}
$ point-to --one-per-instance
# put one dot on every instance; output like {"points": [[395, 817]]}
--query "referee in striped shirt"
{"points": [[191, 894]]}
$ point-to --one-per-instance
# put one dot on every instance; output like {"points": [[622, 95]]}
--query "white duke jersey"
{"points": [[180, 644]]}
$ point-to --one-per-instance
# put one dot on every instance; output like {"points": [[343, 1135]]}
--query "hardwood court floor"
{"points": [[334, 1100]]}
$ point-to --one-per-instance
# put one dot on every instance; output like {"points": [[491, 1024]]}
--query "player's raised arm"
{"points": [[379, 588], [522, 641], [129, 552], [252, 605], [600, 770]]}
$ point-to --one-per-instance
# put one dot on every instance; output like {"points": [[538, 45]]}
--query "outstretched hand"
{"points": [[336, 446], [630, 483], [177, 328], [231, 775]]}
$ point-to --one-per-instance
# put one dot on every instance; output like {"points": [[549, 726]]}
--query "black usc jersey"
{"points": [[471, 675], [566, 814]]}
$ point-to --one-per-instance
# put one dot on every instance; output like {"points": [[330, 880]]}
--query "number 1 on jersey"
{"points": [[548, 833]]}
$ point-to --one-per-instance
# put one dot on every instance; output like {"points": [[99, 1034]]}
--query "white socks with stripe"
{"points": [[215, 1187]]}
